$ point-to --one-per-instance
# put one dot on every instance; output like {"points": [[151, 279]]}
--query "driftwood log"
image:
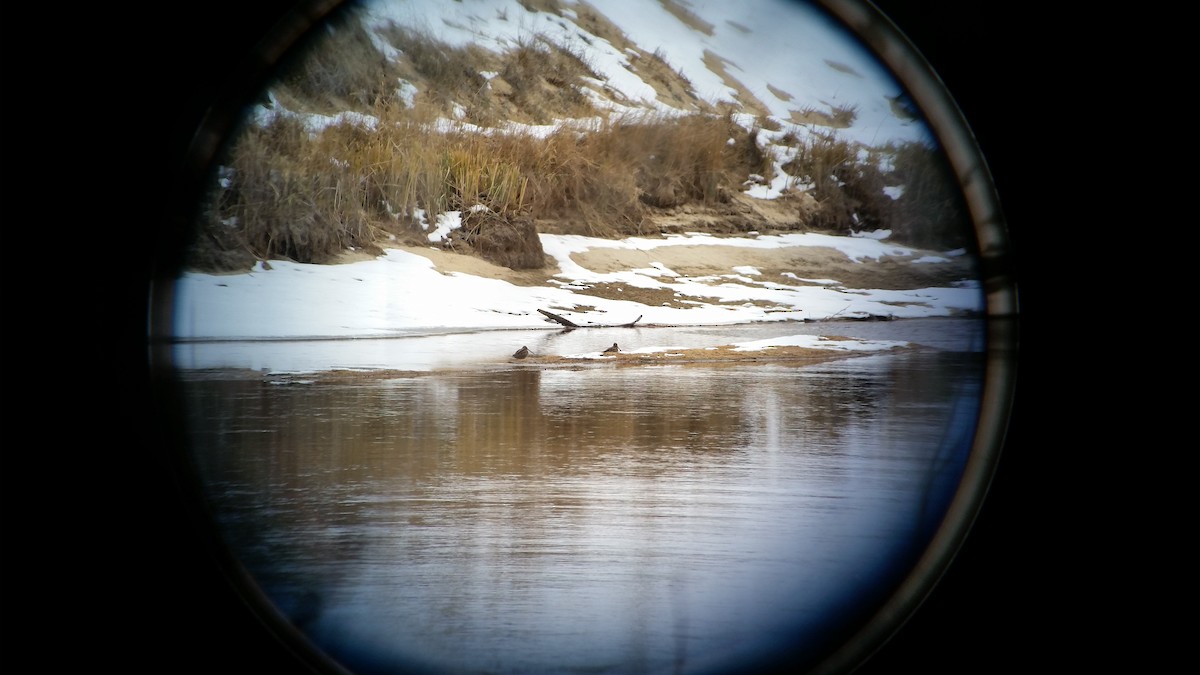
{"points": [[571, 324]]}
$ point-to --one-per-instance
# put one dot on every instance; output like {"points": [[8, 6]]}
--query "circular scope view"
{"points": [[604, 336]]}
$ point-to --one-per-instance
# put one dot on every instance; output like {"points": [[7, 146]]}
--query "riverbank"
{"points": [[726, 355], [683, 280], [800, 344], [805, 265]]}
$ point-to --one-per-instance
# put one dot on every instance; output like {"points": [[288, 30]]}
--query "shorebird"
{"points": [[613, 349], [522, 353]]}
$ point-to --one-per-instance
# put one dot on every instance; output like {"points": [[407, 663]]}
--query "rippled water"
{"points": [[657, 519]]}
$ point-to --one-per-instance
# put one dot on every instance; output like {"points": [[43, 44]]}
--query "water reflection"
{"points": [[634, 520]]}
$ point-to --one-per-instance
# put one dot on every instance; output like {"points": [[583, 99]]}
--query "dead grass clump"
{"points": [[681, 160], [817, 163], [338, 68], [577, 179], [843, 116], [448, 78], [845, 180], [273, 201], [510, 242], [593, 22], [687, 16], [546, 80], [601, 181], [838, 117], [538, 80], [475, 176], [908, 189], [671, 86], [284, 191]]}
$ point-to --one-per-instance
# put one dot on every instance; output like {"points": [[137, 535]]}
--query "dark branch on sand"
{"points": [[570, 324]]}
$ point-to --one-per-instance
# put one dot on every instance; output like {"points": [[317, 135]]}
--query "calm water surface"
{"points": [[657, 519]]}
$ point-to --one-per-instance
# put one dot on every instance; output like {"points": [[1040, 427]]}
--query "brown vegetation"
{"points": [[287, 190]]}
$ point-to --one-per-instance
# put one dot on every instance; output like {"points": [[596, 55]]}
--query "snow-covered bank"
{"points": [[402, 292]]}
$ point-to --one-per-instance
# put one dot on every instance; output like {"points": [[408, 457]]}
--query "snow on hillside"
{"points": [[789, 55]]}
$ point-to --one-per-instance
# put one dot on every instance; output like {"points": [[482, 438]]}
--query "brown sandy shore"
{"points": [[724, 356], [789, 265]]}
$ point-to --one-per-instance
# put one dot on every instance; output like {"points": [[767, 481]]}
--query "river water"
{"points": [[514, 519]]}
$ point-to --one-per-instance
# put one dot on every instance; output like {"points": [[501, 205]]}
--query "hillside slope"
{"points": [[599, 118]]}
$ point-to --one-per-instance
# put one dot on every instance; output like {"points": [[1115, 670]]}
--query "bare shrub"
{"points": [[846, 181], [862, 193], [855, 189], [818, 163], [750, 157]]}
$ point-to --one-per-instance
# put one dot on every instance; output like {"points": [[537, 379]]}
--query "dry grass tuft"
{"points": [[546, 81], [687, 16], [337, 68]]}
